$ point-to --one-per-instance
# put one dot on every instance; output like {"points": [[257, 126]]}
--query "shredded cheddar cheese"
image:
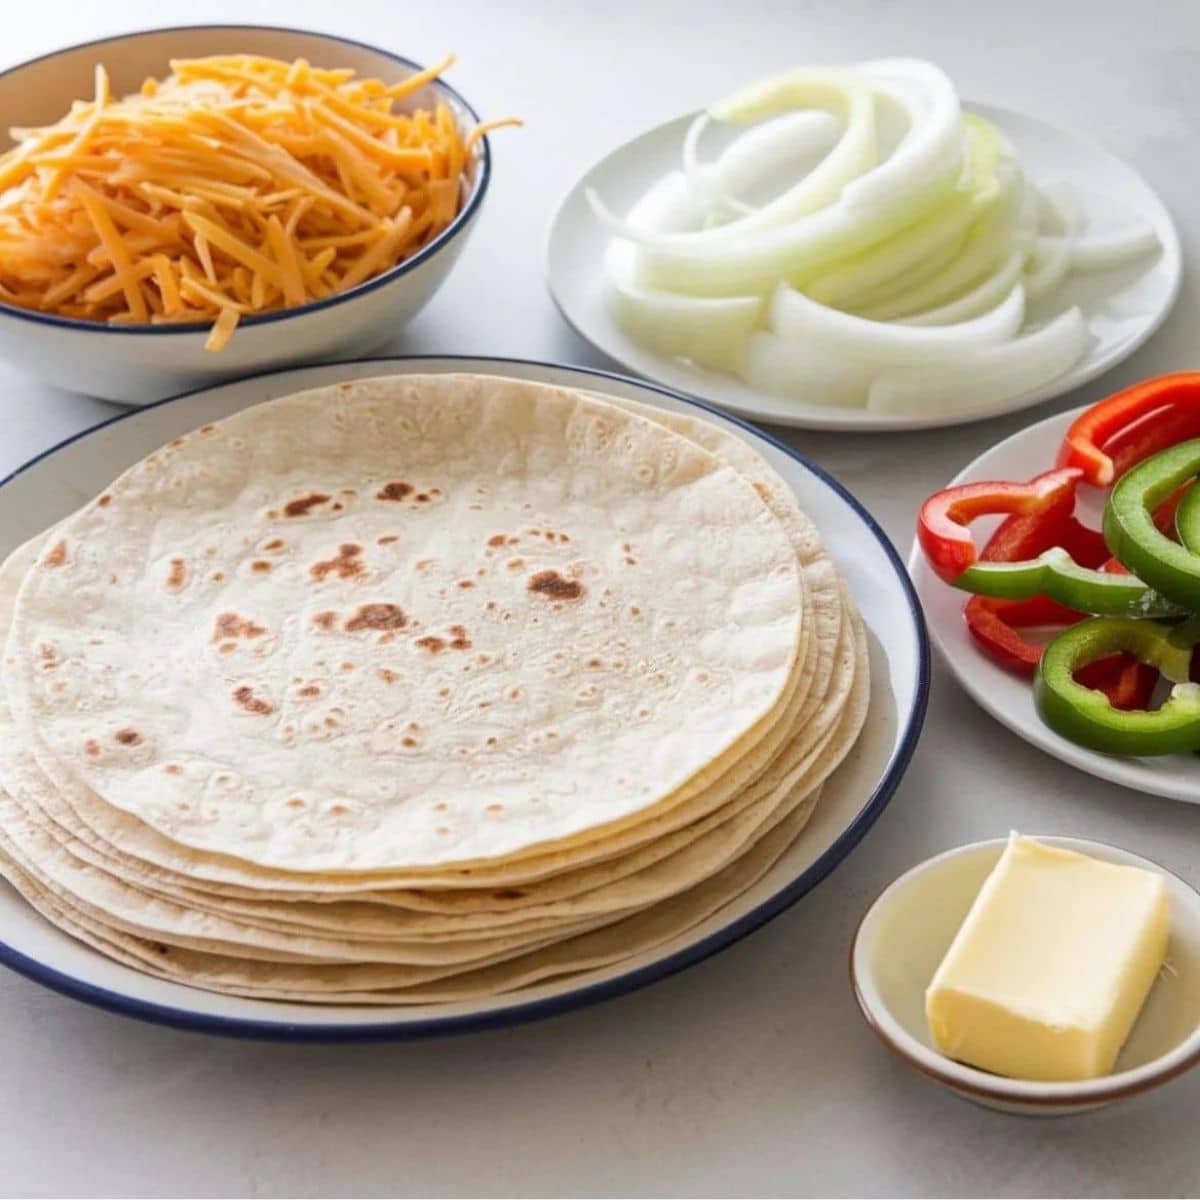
{"points": [[237, 185]]}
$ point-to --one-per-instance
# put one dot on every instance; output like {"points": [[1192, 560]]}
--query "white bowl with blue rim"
{"points": [[907, 931], [136, 364]]}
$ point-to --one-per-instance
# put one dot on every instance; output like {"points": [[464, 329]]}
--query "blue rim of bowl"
{"points": [[461, 220], [620, 985]]}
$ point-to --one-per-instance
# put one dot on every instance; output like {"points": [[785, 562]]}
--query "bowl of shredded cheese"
{"points": [[225, 200]]}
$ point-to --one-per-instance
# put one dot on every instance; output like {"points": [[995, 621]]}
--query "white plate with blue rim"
{"points": [[1009, 697], [1123, 306], [57, 482]]}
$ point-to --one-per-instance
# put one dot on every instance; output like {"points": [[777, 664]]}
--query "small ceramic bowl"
{"points": [[909, 928], [137, 364]]}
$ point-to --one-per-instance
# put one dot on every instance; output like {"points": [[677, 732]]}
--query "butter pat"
{"points": [[1048, 972]]}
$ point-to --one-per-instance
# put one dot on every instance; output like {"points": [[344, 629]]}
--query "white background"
{"points": [[752, 1073]]}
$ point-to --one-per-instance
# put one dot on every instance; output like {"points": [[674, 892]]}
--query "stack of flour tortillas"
{"points": [[418, 689]]}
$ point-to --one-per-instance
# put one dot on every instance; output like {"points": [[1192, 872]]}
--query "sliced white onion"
{"points": [[741, 255], [667, 205], [698, 175], [933, 264], [1047, 266], [1061, 210], [867, 190], [1029, 215], [749, 254], [1049, 257], [793, 315], [913, 255], [920, 273], [987, 247], [838, 92], [710, 332], [776, 151], [933, 147], [979, 299], [985, 376], [797, 371], [942, 232], [1100, 251], [793, 252]]}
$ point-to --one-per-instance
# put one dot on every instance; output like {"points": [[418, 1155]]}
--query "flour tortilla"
{"points": [[800, 530], [112, 827], [77, 807], [140, 901], [166, 646], [328, 984], [21, 782], [376, 985], [454, 931]]}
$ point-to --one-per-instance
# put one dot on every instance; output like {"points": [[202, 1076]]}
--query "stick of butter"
{"points": [[1048, 972]]}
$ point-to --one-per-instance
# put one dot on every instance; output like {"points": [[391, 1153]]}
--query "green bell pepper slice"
{"points": [[1054, 573], [1085, 716], [1187, 519], [1133, 538]]}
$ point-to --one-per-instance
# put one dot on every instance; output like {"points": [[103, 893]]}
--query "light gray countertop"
{"points": [[753, 1072]]}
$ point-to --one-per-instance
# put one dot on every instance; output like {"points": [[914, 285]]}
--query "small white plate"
{"points": [[55, 483], [1123, 307], [907, 931], [1008, 697]]}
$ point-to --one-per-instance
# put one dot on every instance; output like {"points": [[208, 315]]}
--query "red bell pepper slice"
{"points": [[1117, 428], [1084, 544], [1048, 501], [1158, 430], [1126, 681], [1025, 535], [994, 624]]}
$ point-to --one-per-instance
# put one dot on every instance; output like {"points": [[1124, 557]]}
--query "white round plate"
{"points": [[1123, 307], [1007, 696], [57, 482]]}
